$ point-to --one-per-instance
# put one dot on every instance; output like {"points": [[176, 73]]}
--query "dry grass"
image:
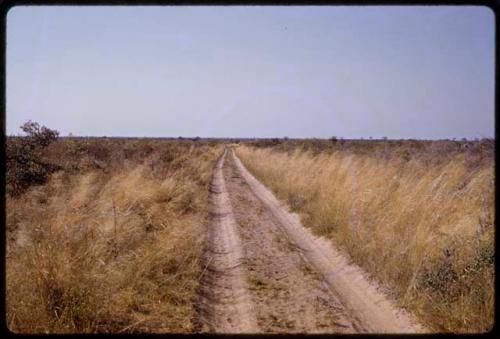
{"points": [[416, 216], [112, 242]]}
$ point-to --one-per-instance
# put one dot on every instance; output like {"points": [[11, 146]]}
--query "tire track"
{"points": [[288, 296], [370, 310], [224, 305]]}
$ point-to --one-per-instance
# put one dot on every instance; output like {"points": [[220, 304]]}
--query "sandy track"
{"points": [[368, 308], [288, 296], [224, 305]]}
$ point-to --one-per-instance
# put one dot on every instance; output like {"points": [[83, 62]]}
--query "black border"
{"points": [[5, 6]]}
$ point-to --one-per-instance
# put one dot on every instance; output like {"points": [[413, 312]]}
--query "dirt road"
{"points": [[266, 273]]}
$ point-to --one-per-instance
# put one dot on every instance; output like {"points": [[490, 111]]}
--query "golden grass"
{"points": [[113, 249], [423, 228]]}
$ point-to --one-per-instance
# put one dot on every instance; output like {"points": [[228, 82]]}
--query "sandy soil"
{"points": [[224, 305], [265, 273]]}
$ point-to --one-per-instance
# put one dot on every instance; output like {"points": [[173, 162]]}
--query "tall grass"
{"points": [[111, 243], [420, 223]]}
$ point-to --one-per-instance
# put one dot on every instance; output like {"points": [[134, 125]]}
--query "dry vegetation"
{"points": [[417, 215], [105, 235], [111, 242]]}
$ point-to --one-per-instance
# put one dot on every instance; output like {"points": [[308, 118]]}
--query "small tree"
{"points": [[38, 136], [24, 157]]}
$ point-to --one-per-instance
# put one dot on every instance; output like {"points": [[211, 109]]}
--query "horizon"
{"points": [[285, 138]]}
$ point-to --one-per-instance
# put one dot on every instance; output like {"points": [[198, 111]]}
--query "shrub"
{"points": [[24, 158]]}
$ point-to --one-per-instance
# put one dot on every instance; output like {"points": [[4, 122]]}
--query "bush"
{"points": [[24, 158]]}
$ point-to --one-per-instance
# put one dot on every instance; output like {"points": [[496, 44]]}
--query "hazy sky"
{"points": [[253, 71]]}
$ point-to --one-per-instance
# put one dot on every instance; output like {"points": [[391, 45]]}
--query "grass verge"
{"points": [[418, 219], [112, 242]]}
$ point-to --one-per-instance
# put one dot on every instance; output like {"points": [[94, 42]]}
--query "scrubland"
{"points": [[416, 215], [106, 235], [111, 241]]}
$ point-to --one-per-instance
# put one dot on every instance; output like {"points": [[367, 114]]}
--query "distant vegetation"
{"points": [[418, 215]]}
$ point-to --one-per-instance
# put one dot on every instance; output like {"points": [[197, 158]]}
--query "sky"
{"points": [[423, 72]]}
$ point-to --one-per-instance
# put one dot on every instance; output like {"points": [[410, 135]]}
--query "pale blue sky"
{"points": [[253, 71]]}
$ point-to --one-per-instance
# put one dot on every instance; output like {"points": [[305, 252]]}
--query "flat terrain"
{"points": [[269, 236]]}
